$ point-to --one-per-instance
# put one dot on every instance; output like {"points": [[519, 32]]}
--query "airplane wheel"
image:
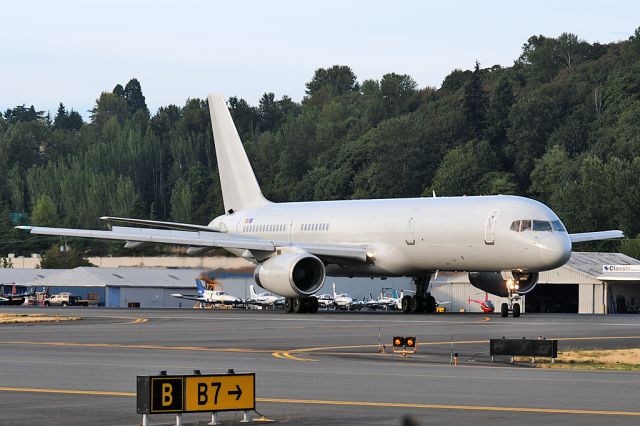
{"points": [[313, 305], [430, 304], [406, 304], [298, 305], [504, 310], [516, 310], [417, 304], [288, 305]]}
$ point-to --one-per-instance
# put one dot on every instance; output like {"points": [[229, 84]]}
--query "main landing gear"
{"points": [[300, 305], [512, 306], [422, 301]]}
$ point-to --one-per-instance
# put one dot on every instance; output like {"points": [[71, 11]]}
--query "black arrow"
{"points": [[237, 392]]}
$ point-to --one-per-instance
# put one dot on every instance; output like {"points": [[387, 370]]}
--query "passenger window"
{"points": [[515, 226], [541, 225], [525, 225]]}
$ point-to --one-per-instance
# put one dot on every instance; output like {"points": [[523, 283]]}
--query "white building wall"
{"points": [[152, 297], [591, 299], [456, 297]]}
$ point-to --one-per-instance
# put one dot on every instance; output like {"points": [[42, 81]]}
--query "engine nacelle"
{"points": [[498, 283], [291, 274]]}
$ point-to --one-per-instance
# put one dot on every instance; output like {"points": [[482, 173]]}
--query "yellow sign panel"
{"points": [[227, 392]]}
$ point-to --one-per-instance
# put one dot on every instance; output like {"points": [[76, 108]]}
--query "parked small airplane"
{"points": [[15, 298], [341, 300], [210, 297], [325, 300], [389, 299], [263, 299], [486, 305]]}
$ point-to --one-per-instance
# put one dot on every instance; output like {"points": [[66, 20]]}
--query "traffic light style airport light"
{"points": [[405, 344]]}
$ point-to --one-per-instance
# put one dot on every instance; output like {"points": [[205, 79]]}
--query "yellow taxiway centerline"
{"points": [[125, 346], [356, 403], [287, 354]]}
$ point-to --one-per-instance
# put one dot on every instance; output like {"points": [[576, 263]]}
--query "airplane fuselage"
{"points": [[416, 235]]}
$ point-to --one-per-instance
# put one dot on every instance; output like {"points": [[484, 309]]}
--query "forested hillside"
{"points": [[562, 125]]}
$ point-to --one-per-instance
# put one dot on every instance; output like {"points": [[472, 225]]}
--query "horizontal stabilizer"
{"points": [[596, 236]]}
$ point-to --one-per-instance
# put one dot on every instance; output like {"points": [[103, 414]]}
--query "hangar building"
{"points": [[132, 287], [589, 283]]}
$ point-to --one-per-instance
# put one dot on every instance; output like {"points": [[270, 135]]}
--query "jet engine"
{"points": [[499, 283], [291, 274]]}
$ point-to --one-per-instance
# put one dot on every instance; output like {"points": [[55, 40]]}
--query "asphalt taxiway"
{"points": [[312, 369]]}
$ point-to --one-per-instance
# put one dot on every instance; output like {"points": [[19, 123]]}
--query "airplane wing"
{"points": [[189, 297], [205, 239], [596, 236], [256, 302]]}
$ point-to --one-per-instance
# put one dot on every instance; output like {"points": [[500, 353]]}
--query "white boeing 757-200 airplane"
{"points": [[503, 241]]}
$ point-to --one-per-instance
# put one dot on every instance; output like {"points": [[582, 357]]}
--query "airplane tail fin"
{"points": [[334, 291], [240, 189], [200, 287], [252, 292]]}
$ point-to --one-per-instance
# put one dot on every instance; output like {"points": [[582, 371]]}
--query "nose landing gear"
{"points": [[512, 306]]}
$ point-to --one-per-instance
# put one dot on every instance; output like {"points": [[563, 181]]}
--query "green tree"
{"points": [[55, 258], [109, 106], [630, 247], [462, 170], [474, 103], [331, 82], [135, 99], [181, 202], [498, 114], [44, 213], [398, 94], [67, 120]]}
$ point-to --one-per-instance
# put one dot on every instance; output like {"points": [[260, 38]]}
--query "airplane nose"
{"points": [[555, 250]]}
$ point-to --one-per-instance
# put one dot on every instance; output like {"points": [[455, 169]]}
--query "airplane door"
{"points": [[411, 237], [489, 227]]}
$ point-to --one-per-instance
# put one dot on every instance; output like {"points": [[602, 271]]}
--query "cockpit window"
{"points": [[541, 225], [537, 225]]}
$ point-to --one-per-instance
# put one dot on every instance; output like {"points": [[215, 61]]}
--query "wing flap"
{"points": [[159, 224], [596, 236]]}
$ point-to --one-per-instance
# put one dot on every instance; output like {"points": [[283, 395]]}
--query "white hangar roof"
{"points": [[20, 276], [120, 277]]}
